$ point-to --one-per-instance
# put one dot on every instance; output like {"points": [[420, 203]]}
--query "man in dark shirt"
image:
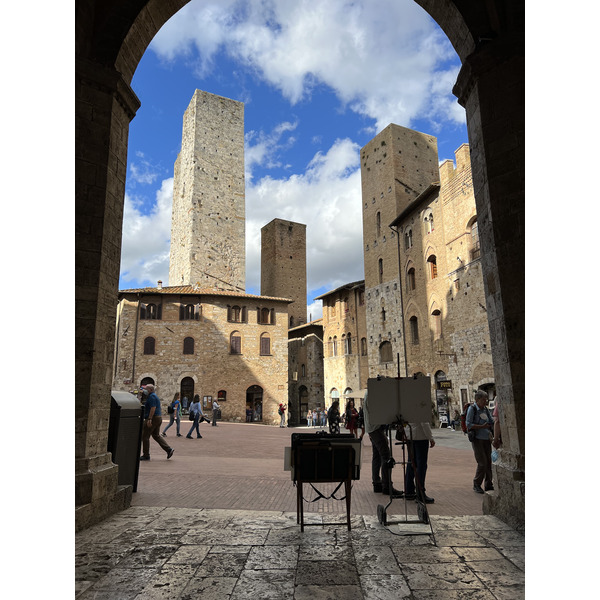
{"points": [[152, 424]]}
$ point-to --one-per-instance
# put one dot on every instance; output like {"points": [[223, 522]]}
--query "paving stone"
{"points": [[444, 594], [264, 585], [341, 552], [209, 588], [384, 587], [191, 555], [273, 557], [376, 560], [326, 572], [325, 592], [422, 576], [425, 554]]}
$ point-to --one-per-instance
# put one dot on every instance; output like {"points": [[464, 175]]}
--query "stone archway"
{"points": [[111, 38]]}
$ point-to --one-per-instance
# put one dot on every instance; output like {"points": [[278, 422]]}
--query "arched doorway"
{"points": [[146, 381], [441, 398], [110, 41], [254, 404], [303, 404], [186, 389]]}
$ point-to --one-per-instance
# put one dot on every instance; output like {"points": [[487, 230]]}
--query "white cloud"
{"points": [[142, 170], [387, 61], [327, 197], [146, 239]]}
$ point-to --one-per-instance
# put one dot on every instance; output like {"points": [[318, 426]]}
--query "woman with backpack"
{"points": [[174, 410], [195, 415]]}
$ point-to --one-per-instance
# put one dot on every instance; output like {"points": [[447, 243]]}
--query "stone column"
{"points": [[491, 87], [105, 105]]}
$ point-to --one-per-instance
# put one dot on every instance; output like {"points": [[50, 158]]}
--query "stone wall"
{"points": [[208, 224]]}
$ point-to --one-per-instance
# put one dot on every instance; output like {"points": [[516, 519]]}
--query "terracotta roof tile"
{"points": [[194, 290]]}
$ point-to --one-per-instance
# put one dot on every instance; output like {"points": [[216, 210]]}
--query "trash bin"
{"points": [[125, 435]]}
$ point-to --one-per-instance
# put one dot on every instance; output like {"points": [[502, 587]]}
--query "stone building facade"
{"points": [[424, 289], [283, 265], [346, 367], [306, 378], [217, 344], [208, 224]]}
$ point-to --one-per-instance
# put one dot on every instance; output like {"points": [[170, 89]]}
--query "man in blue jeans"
{"points": [[480, 421], [152, 424], [419, 440]]}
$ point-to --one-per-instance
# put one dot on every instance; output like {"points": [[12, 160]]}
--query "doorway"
{"points": [[254, 407], [187, 393]]}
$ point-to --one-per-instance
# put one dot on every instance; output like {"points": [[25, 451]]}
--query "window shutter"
{"points": [[142, 311], [197, 315], [181, 312], [272, 316], [265, 346]]}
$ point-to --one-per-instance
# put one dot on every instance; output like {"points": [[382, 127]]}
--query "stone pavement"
{"points": [[169, 546]]}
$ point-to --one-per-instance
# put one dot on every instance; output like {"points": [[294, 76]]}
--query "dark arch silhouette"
{"points": [[111, 38]]}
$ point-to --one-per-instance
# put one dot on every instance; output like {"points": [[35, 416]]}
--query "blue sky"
{"points": [[318, 81]]}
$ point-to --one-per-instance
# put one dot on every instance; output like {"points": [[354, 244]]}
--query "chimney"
{"points": [[159, 284]]}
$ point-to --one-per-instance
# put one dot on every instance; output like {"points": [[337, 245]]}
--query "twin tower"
{"points": [[208, 226]]}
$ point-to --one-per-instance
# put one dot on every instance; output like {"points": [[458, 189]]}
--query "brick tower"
{"points": [[208, 223], [283, 265]]}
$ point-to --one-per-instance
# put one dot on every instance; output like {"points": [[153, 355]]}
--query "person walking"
{"points": [[152, 423], [418, 439], [380, 462], [480, 425], [309, 418], [215, 410], [361, 423], [281, 412], [351, 418], [184, 405], [174, 411], [197, 414], [333, 416]]}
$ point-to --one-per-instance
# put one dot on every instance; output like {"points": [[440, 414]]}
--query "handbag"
{"points": [[170, 409], [471, 436], [191, 416]]}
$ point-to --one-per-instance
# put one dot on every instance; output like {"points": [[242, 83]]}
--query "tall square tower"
{"points": [[397, 166], [208, 222], [283, 265]]}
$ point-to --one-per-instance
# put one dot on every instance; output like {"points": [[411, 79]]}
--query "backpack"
{"points": [[280, 411], [463, 418]]}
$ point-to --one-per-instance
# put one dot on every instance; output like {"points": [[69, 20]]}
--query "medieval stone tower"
{"points": [[283, 265], [397, 166], [208, 223]]}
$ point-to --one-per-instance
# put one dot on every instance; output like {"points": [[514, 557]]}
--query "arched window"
{"points": [[380, 268], [428, 221], [265, 344], [150, 311], [235, 343], [221, 396], [237, 314], [474, 248], [303, 370], [349, 344], [188, 345], [411, 282], [265, 316], [385, 352], [408, 239], [188, 312], [149, 345], [436, 316], [330, 344], [363, 346], [334, 348], [432, 261], [414, 329], [378, 223]]}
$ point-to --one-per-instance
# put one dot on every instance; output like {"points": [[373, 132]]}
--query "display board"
{"points": [[391, 398]]}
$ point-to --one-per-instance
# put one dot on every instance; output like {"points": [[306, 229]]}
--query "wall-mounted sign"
{"points": [[444, 385]]}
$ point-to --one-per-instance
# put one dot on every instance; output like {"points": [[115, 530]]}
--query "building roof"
{"points": [[316, 322], [192, 290], [432, 187], [347, 286]]}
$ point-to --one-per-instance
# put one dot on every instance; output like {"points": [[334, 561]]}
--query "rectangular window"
{"points": [[265, 346], [236, 344]]}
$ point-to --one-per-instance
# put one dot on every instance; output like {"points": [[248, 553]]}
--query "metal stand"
{"points": [[422, 513]]}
